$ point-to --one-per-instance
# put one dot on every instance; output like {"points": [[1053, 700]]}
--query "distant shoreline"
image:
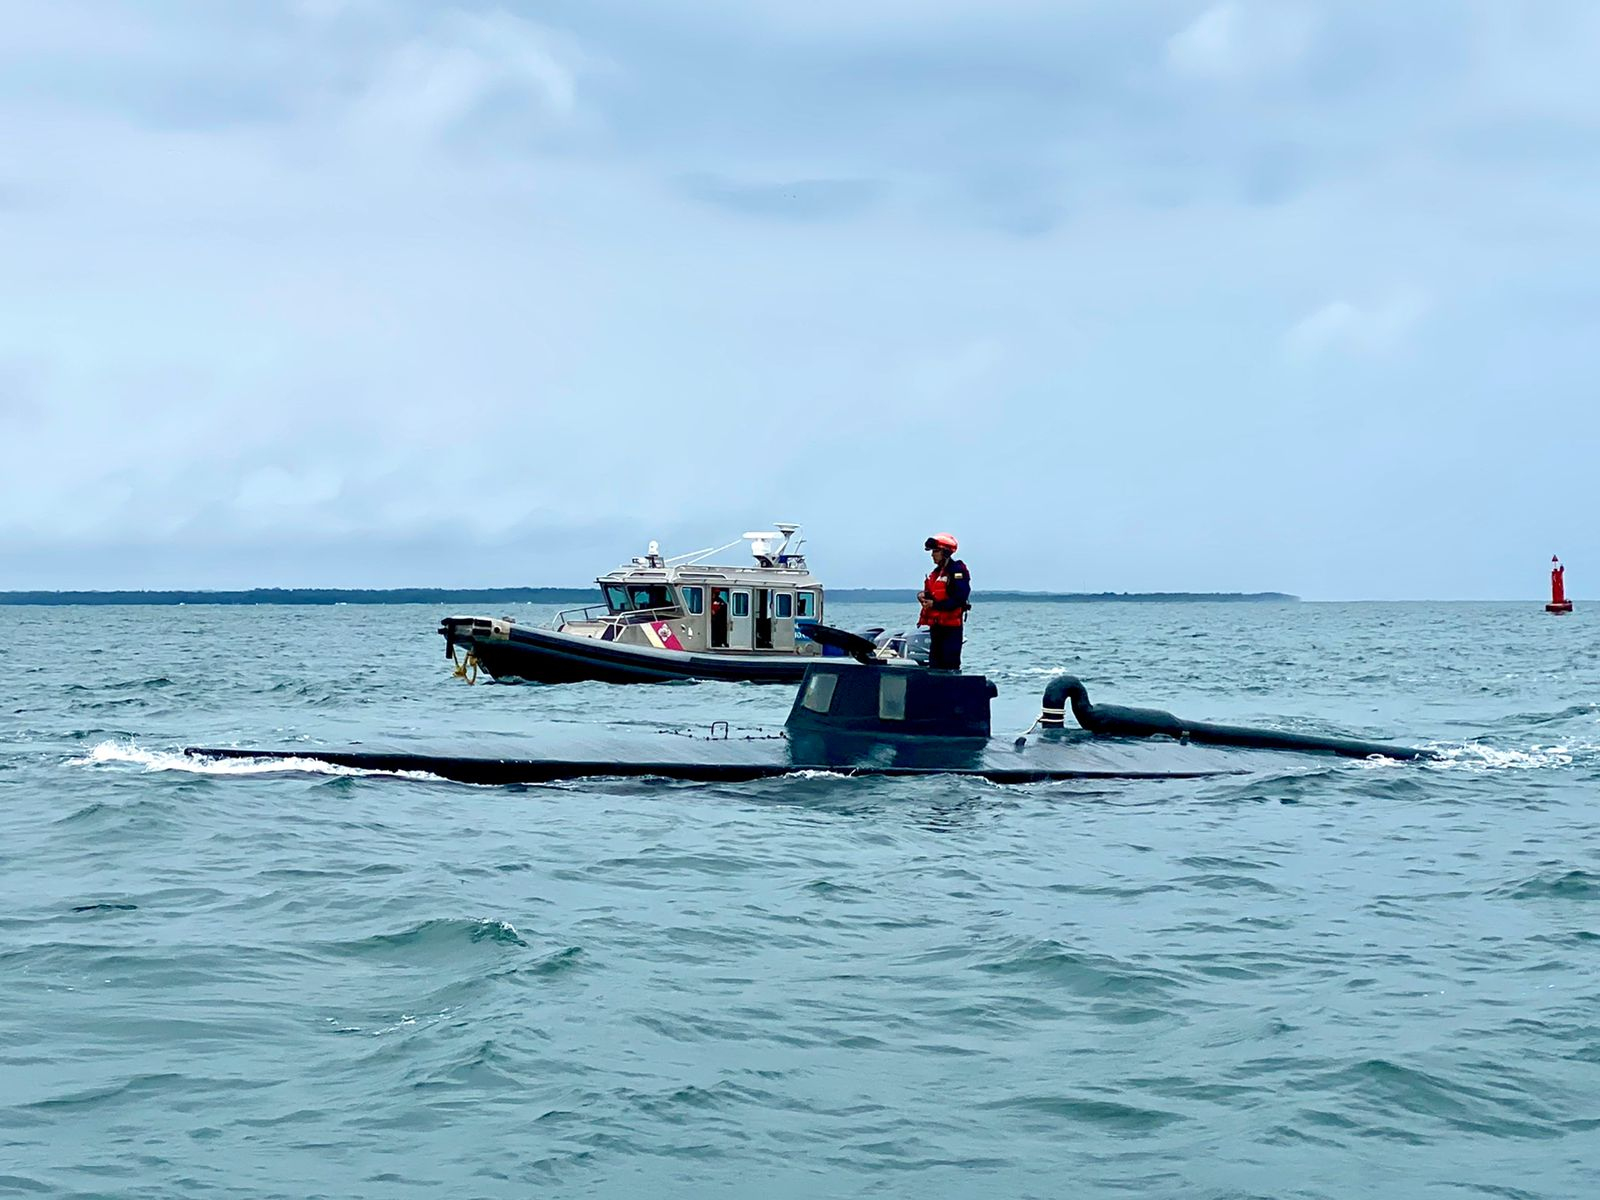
{"points": [[554, 595]]}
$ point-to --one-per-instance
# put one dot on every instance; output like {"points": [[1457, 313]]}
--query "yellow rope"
{"points": [[462, 664]]}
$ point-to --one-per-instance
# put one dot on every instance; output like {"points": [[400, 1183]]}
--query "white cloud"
{"points": [[1239, 39], [1342, 327], [463, 66]]}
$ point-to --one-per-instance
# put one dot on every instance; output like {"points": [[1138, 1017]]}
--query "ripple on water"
{"points": [[439, 938], [1555, 884], [1107, 1115], [1082, 973], [1412, 1105]]}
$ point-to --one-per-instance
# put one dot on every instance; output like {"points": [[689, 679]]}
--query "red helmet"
{"points": [[943, 541]]}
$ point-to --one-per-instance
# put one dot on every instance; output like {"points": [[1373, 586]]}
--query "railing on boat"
{"points": [[601, 612], [590, 612]]}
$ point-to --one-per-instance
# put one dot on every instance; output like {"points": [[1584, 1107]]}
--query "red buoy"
{"points": [[1558, 589]]}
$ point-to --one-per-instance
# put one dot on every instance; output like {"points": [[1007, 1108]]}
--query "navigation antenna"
{"points": [[786, 555], [761, 546]]}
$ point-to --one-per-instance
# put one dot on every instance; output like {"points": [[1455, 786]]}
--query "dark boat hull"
{"points": [[751, 763], [857, 720], [545, 656]]}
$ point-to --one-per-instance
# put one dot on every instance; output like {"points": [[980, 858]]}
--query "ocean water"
{"points": [[1322, 979]]}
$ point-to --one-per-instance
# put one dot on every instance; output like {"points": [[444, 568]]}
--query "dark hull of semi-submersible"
{"points": [[865, 718], [534, 655], [737, 759]]}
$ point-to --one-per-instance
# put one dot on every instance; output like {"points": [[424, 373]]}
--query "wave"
{"points": [[114, 753], [1476, 756], [1570, 713], [430, 943], [441, 934], [1502, 1105], [140, 1091], [1575, 884], [1111, 1116], [1083, 974]]}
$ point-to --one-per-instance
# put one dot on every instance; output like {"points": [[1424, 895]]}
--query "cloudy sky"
{"points": [[1179, 294]]}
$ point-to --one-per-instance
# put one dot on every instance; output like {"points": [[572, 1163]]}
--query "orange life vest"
{"points": [[937, 586]]}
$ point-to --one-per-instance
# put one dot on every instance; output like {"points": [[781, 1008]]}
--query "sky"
{"points": [[1172, 295]]}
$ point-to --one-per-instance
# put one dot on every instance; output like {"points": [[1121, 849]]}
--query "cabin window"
{"points": [[694, 600], [891, 696], [785, 606], [741, 604], [621, 598], [819, 692], [807, 602]]}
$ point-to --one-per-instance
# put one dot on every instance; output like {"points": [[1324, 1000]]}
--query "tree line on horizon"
{"points": [[555, 595]]}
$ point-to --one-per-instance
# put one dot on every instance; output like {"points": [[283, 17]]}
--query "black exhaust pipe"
{"points": [[1112, 720]]}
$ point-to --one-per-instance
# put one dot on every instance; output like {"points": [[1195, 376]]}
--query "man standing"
{"points": [[944, 598]]}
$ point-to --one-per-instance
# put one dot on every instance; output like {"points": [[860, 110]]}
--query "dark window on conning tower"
{"points": [[891, 696], [819, 693]]}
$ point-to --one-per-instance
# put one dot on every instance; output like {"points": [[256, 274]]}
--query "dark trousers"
{"points": [[944, 649]]}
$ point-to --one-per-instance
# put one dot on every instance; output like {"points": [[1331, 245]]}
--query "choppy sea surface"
{"points": [[1324, 979]]}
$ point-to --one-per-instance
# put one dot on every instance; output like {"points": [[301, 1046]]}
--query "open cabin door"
{"points": [[763, 630]]}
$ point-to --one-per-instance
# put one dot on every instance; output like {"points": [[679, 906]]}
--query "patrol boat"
{"points": [[663, 619]]}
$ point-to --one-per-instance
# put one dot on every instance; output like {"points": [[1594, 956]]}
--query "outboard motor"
{"points": [[832, 649], [915, 644]]}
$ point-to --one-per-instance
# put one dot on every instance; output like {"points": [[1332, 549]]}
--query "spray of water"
{"points": [[112, 753]]}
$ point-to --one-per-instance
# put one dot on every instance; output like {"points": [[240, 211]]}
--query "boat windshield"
{"points": [[636, 597]]}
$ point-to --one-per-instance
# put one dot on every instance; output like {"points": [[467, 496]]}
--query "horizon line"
{"points": [[63, 597]]}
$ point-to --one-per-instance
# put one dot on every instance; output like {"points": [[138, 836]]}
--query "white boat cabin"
{"points": [[680, 604]]}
